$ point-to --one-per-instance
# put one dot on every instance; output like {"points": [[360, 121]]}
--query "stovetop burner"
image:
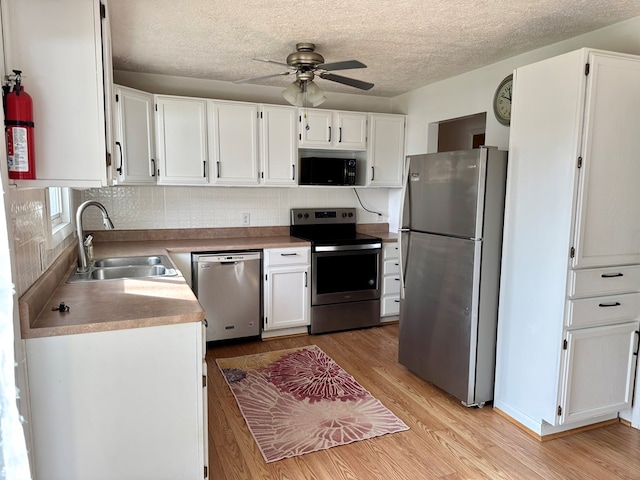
{"points": [[335, 226]]}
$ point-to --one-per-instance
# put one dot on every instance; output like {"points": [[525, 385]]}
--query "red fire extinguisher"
{"points": [[19, 131]]}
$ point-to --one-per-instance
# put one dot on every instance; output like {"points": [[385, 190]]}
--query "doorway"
{"points": [[462, 133]]}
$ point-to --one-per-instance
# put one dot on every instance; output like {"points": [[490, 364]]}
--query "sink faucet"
{"points": [[83, 264]]}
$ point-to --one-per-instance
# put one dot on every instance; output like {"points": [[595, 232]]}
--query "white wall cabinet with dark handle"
{"points": [[134, 158]]}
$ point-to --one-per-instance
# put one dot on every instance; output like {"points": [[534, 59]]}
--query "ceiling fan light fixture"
{"points": [[292, 93], [315, 96], [301, 93]]}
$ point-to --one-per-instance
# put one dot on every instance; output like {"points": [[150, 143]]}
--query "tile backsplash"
{"points": [[132, 208], [28, 224], [206, 207]]}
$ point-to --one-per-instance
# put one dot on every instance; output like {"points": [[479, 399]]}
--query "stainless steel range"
{"points": [[345, 269]]}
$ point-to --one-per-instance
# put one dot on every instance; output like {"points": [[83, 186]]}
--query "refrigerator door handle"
{"points": [[401, 260], [403, 227]]}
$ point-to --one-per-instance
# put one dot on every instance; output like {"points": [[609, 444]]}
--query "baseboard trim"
{"points": [[553, 436]]}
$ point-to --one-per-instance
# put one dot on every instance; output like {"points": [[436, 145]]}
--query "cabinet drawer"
{"points": [[603, 310], [597, 281], [286, 256], [390, 306], [391, 267], [390, 285], [390, 250]]}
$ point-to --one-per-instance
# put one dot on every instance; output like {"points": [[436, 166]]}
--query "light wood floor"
{"points": [[445, 440]]}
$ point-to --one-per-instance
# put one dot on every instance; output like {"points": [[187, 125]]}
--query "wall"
{"points": [[472, 92], [205, 207]]}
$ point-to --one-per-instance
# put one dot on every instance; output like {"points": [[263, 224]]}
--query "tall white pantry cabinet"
{"points": [[569, 303]]}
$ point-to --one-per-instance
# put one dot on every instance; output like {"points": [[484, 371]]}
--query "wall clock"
{"points": [[502, 101]]}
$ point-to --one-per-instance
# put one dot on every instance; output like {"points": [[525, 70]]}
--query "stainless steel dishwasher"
{"points": [[228, 286]]}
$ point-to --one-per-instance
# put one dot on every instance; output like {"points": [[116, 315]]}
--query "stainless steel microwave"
{"points": [[327, 171]]}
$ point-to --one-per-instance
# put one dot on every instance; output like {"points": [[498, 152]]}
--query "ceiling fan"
{"points": [[307, 64]]}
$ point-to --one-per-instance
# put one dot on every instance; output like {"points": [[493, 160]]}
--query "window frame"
{"points": [[60, 223]]}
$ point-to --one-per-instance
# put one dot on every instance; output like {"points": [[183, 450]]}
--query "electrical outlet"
{"points": [[246, 219]]}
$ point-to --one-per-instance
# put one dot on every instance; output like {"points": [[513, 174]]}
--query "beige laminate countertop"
{"points": [[139, 302], [124, 303]]}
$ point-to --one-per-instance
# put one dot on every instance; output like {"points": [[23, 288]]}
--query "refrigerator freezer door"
{"points": [[438, 316], [445, 193]]}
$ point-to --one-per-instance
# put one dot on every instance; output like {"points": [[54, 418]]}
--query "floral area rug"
{"points": [[299, 401]]}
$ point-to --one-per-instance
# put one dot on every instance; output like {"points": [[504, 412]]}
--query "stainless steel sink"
{"points": [[125, 267], [125, 261]]}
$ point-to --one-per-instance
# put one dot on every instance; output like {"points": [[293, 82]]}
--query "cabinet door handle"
{"points": [[611, 275], [397, 301], [218, 169], [305, 279], [288, 254], [637, 342], [611, 304], [153, 162], [329, 134], [373, 173], [119, 169], [204, 169], [340, 135], [293, 169]]}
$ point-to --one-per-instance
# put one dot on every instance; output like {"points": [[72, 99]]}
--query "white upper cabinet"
{"points": [[59, 48], [385, 152], [608, 230], [134, 158], [278, 145], [233, 132], [329, 129], [181, 137]]}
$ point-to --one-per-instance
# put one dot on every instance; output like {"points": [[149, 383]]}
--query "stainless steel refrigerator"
{"points": [[450, 245]]}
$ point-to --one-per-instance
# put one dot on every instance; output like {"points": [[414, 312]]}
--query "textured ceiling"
{"points": [[406, 44]]}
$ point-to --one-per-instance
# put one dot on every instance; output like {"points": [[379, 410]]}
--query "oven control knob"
{"points": [[299, 215], [351, 214], [344, 214], [372, 282], [306, 215]]}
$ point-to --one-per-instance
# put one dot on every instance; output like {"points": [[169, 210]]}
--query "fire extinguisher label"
{"points": [[18, 152]]}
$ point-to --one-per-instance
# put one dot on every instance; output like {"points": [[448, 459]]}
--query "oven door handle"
{"points": [[346, 248]]}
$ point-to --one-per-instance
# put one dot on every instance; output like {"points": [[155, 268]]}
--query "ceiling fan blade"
{"points": [[346, 65], [352, 82], [271, 61], [247, 80]]}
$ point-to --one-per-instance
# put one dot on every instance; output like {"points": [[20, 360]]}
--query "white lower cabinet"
{"points": [[390, 294], [125, 404], [598, 371], [286, 290]]}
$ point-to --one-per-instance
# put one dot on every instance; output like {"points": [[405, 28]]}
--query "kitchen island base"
{"points": [[125, 404]]}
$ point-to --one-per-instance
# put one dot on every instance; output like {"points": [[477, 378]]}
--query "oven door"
{"points": [[345, 273]]}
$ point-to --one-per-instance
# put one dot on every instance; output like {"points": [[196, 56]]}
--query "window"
{"points": [[61, 223], [55, 206]]}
